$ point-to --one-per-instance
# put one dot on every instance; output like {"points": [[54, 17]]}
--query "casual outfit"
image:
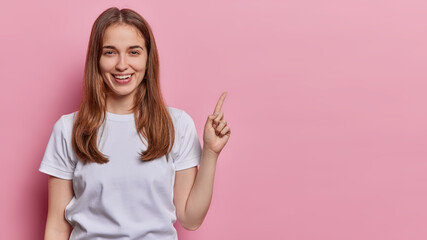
{"points": [[126, 198]]}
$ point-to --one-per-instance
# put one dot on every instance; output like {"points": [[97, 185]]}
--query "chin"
{"points": [[123, 93]]}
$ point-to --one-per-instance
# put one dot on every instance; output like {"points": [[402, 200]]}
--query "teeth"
{"points": [[122, 77]]}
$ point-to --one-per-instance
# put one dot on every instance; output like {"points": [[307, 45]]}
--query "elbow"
{"points": [[190, 224], [191, 227]]}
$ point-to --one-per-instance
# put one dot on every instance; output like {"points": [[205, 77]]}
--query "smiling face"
{"points": [[123, 54]]}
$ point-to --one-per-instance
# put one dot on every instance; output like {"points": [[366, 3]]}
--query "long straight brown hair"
{"points": [[152, 119]]}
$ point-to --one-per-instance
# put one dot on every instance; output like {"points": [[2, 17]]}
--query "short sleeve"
{"points": [[189, 148], [56, 160]]}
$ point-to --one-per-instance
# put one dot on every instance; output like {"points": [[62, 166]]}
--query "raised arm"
{"points": [[194, 187]]}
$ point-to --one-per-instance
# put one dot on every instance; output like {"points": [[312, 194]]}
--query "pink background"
{"points": [[326, 104]]}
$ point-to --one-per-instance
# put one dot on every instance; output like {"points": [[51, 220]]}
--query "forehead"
{"points": [[121, 35]]}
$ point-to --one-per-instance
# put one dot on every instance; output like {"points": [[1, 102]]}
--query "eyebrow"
{"points": [[131, 47]]}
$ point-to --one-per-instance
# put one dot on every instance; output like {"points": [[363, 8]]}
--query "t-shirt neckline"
{"points": [[119, 117]]}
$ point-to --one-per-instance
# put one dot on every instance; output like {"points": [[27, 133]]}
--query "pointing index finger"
{"points": [[220, 102]]}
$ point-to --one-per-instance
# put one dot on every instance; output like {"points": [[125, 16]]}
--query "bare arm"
{"points": [[193, 191], [194, 187], [60, 194]]}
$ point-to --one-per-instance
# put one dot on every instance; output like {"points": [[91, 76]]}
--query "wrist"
{"points": [[208, 152]]}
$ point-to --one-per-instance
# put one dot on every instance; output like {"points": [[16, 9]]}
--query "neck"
{"points": [[119, 104]]}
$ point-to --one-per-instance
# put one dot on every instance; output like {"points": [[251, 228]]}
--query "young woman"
{"points": [[124, 166]]}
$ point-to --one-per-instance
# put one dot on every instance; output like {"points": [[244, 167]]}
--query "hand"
{"points": [[216, 133]]}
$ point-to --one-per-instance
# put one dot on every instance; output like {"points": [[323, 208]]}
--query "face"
{"points": [[123, 54]]}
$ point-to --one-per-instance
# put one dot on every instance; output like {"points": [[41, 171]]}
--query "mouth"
{"points": [[123, 79]]}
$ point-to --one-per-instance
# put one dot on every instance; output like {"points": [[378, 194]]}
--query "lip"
{"points": [[121, 74], [122, 82]]}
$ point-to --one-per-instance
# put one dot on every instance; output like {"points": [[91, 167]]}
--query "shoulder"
{"points": [[175, 113], [179, 116], [65, 124], [69, 118]]}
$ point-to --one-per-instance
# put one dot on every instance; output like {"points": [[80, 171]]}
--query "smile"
{"points": [[123, 79]]}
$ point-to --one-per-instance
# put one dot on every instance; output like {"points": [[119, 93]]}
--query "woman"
{"points": [[124, 166]]}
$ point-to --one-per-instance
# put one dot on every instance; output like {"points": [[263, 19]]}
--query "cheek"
{"points": [[138, 66], [105, 65]]}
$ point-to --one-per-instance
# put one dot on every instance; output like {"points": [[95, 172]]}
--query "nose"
{"points": [[122, 64]]}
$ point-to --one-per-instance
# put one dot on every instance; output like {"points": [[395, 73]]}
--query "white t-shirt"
{"points": [[124, 198]]}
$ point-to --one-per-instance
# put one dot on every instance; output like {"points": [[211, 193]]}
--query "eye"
{"points": [[136, 52], [106, 53]]}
